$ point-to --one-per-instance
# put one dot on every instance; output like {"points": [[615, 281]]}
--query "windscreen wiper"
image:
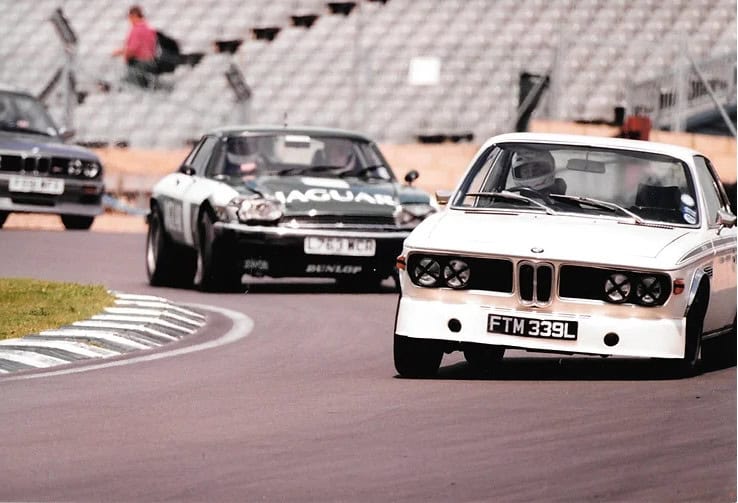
{"points": [[305, 169], [510, 196], [361, 171], [596, 203]]}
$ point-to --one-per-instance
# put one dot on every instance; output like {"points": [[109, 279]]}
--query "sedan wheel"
{"points": [[483, 357], [417, 357], [76, 222]]}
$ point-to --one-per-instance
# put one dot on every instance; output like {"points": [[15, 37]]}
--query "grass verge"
{"points": [[29, 306]]}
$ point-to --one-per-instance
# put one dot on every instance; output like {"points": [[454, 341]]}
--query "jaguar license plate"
{"points": [[36, 185], [354, 247], [532, 327]]}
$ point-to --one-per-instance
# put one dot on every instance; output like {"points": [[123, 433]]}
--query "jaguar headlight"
{"points": [[411, 214], [456, 273], [649, 290], [426, 272], [617, 288], [248, 210]]}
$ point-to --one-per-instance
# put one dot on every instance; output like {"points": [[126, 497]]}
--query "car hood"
{"points": [[43, 146], [557, 238], [347, 196]]}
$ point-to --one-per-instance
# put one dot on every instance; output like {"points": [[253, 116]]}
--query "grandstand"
{"points": [[350, 69]]}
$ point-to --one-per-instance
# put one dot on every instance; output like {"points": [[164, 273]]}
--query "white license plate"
{"points": [[355, 247], [37, 185], [531, 327]]}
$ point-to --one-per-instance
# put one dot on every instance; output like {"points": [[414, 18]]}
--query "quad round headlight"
{"points": [[617, 288], [91, 169], [456, 273], [426, 272], [74, 168], [649, 290]]}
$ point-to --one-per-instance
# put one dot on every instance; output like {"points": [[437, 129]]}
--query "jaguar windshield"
{"points": [[582, 180]]}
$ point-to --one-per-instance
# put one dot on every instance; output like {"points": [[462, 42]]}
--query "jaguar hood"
{"points": [[347, 196]]}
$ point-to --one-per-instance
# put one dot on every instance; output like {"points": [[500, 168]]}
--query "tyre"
{"points": [[418, 358], [217, 267], [76, 222], [3, 217], [720, 352], [482, 358], [167, 264]]}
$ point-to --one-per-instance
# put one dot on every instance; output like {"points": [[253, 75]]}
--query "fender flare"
{"points": [[699, 276]]}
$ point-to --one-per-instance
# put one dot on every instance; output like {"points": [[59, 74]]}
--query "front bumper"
{"points": [[429, 319], [279, 251], [80, 197]]}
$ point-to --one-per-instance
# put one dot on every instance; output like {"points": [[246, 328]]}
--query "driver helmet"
{"points": [[533, 168]]}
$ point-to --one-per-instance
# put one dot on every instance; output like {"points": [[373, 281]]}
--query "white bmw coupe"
{"points": [[573, 245]]}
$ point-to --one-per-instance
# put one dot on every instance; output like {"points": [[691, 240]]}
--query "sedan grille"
{"points": [[535, 282], [340, 220]]}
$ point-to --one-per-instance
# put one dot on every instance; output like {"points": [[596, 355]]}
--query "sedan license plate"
{"points": [[531, 327], [36, 185], [356, 247]]}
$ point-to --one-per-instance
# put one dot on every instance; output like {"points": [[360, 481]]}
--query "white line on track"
{"points": [[242, 326]]}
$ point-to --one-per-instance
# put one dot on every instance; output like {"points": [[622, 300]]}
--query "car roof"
{"points": [[595, 141], [238, 130]]}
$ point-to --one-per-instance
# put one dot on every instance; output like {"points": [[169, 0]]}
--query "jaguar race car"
{"points": [[280, 202], [573, 245], [38, 172]]}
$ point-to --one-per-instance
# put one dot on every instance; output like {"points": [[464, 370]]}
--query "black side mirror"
{"points": [[411, 176], [66, 134], [187, 169]]}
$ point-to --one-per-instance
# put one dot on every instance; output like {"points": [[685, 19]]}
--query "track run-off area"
{"points": [[289, 393]]}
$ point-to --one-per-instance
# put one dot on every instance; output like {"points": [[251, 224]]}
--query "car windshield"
{"points": [[25, 114], [285, 154], [638, 186]]}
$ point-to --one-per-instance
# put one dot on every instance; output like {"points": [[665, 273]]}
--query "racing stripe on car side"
{"points": [[134, 323]]}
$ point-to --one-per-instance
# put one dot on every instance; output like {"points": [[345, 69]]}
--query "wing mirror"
{"points": [[443, 196], [725, 219], [187, 170], [66, 133], [411, 176]]}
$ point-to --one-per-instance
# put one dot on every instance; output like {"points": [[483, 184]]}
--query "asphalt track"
{"points": [[306, 406]]}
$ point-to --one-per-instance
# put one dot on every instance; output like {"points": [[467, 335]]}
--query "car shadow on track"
{"points": [[570, 369]]}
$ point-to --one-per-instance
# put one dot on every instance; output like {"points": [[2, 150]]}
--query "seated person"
{"points": [[337, 154], [535, 169], [243, 160]]}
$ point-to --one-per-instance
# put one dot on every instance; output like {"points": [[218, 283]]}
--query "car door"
{"points": [[197, 188], [722, 308]]}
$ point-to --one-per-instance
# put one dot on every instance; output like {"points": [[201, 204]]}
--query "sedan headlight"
{"points": [[426, 272], [256, 209], [411, 214], [456, 274], [617, 288], [649, 290], [90, 169]]}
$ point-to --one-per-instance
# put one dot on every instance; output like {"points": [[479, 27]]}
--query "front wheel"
{"points": [[417, 357], [3, 217], [689, 364], [77, 222], [217, 266], [483, 357], [720, 352]]}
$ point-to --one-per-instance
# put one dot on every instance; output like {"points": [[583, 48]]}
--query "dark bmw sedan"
{"points": [[281, 202], [39, 173]]}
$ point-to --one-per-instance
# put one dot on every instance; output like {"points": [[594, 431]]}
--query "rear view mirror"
{"points": [[443, 196], [586, 165], [411, 176]]}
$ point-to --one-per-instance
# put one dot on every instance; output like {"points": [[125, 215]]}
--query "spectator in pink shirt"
{"points": [[140, 48]]}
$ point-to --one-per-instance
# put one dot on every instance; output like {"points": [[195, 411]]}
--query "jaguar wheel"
{"points": [[217, 267], [418, 358], [77, 222]]}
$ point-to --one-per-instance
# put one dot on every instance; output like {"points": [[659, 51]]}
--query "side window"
{"points": [[202, 156], [709, 189]]}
